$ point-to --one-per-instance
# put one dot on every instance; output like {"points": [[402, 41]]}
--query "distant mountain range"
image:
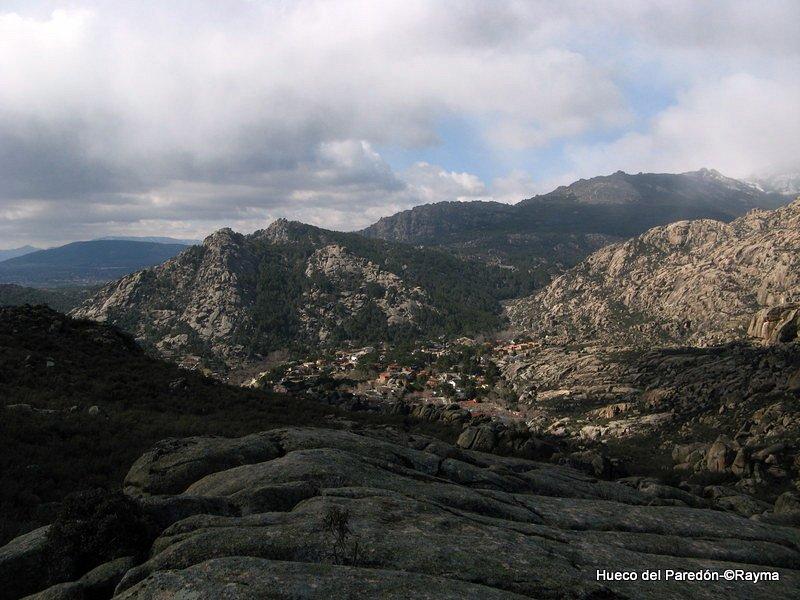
{"points": [[14, 252], [23, 250], [154, 239], [295, 285], [84, 263], [543, 235]]}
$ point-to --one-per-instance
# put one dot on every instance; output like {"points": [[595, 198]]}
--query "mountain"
{"points": [[294, 285], [154, 239], [84, 263], [62, 299], [781, 183], [14, 252], [543, 235], [697, 282], [704, 190]]}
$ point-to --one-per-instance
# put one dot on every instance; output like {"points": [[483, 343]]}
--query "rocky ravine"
{"points": [[316, 513], [692, 282]]}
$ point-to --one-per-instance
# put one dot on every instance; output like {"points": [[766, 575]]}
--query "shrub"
{"points": [[97, 526], [344, 547]]}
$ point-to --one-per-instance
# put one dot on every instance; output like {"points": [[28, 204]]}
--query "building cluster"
{"points": [[430, 373]]}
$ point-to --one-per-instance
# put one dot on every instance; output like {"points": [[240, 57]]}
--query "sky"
{"points": [[179, 118]]}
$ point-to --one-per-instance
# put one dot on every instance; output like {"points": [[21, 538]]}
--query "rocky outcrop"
{"points": [[777, 324], [237, 297], [728, 410], [692, 282], [384, 514]]}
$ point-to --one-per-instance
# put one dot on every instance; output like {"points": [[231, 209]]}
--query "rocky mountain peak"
{"points": [[222, 240], [238, 297], [710, 173], [714, 177], [282, 231], [225, 232]]}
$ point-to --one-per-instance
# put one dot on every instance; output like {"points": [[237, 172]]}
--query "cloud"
{"points": [[152, 117], [430, 183], [732, 125]]}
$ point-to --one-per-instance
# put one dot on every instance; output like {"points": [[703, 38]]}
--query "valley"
{"points": [[301, 377], [428, 300]]}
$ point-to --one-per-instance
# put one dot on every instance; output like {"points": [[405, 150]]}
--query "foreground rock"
{"points": [[315, 513], [24, 563], [248, 577]]}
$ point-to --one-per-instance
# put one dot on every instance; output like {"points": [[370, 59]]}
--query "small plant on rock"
{"points": [[344, 544]]}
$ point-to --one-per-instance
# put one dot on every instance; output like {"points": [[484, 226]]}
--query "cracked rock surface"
{"points": [[317, 513]]}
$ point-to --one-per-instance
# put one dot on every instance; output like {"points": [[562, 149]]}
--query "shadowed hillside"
{"points": [[81, 401]]}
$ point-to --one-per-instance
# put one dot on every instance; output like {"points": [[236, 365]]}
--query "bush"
{"points": [[97, 526]]}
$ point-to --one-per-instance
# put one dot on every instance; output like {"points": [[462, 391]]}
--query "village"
{"points": [[462, 371]]}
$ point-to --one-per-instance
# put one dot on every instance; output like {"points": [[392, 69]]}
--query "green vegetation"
{"points": [[464, 296], [62, 299]]}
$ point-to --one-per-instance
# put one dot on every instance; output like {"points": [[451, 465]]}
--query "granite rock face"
{"points": [[381, 513], [674, 400], [691, 282], [224, 301]]}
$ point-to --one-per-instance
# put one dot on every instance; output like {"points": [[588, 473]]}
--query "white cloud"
{"points": [[139, 117], [740, 125], [430, 183]]}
